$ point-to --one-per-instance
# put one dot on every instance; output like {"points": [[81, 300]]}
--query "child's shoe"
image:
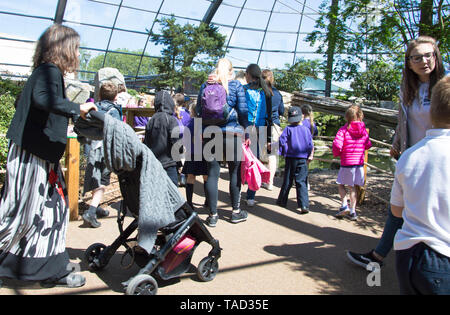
{"points": [[101, 213], [342, 212], [279, 203], [352, 216], [91, 220], [304, 210], [251, 202]]}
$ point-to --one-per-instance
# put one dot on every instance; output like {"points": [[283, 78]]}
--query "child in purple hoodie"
{"points": [[296, 146], [349, 144]]}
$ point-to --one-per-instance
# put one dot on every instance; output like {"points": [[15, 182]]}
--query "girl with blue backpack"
{"points": [[259, 103]]}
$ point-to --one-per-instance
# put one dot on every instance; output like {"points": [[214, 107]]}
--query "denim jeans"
{"points": [[422, 270], [387, 238], [295, 169], [173, 174]]}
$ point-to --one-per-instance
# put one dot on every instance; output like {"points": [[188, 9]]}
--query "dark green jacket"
{"points": [[42, 115]]}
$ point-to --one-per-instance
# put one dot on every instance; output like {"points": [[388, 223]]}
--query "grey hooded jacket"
{"points": [[159, 198]]}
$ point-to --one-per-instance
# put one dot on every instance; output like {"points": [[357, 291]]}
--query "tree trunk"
{"points": [[426, 18], [333, 15]]}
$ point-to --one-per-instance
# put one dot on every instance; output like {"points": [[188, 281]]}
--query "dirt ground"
{"points": [[277, 251]]}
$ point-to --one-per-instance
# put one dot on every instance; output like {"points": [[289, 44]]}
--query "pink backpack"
{"points": [[253, 172]]}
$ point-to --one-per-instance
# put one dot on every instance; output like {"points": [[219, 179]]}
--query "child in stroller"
{"points": [[174, 243]]}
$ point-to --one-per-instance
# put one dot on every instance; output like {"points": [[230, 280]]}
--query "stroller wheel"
{"points": [[207, 269], [92, 256], [142, 285]]}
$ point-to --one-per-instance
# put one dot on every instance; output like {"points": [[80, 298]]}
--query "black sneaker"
{"points": [[364, 260], [239, 217], [279, 203], [101, 213], [211, 221], [92, 221]]}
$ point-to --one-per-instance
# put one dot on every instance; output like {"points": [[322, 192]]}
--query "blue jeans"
{"points": [[422, 270], [387, 238], [173, 174], [295, 169]]}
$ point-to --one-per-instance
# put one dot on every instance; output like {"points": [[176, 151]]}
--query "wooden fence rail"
{"points": [[385, 117]]}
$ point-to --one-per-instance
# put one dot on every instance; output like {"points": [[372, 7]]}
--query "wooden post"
{"points": [[73, 175], [361, 190]]}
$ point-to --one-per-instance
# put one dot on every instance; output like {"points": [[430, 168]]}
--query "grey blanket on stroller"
{"points": [[159, 198]]}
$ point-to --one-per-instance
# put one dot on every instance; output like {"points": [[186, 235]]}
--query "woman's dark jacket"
{"points": [[159, 128], [42, 115], [236, 100], [277, 106]]}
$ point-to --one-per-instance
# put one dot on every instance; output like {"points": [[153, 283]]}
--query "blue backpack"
{"points": [[256, 103], [214, 105]]}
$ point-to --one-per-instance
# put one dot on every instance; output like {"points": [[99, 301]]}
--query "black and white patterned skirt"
{"points": [[33, 219]]}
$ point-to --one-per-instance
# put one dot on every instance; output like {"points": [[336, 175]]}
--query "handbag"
{"points": [[253, 172]]}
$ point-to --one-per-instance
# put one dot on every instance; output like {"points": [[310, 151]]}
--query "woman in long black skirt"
{"points": [[33, 204]]}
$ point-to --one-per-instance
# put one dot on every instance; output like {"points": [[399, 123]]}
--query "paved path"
{"points": [[276, 251]]}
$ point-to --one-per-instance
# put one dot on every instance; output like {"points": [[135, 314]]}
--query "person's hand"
{"points": [[247, 142], [394, 153], [85, 108]]}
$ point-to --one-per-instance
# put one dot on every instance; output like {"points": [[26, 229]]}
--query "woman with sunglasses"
{"points": [[423, 69]]}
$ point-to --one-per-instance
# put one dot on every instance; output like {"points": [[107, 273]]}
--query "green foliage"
{"points": [[127, 62], [133, 92], [11, 87], [293, 77], [328, 124], [9, 91], [377, 26], [6, 114], [190, 52], [380, 82]]}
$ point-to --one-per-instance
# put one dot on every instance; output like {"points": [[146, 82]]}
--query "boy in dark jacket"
{"points": [[158, 133], [97, 175]]}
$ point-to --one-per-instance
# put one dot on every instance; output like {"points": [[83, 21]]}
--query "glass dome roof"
{"points": [[268, 32]]}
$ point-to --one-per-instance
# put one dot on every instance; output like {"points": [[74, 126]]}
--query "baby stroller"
{"points": [[174, 246]]}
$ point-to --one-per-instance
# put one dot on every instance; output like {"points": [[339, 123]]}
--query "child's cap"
{"points": [[294, 114]]}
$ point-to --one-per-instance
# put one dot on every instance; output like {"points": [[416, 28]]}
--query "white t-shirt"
{"points": [[419, 115], [422, 187]]}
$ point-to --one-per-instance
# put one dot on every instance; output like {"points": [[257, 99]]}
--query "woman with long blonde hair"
{"points": [[232, 130], [33, 205]]}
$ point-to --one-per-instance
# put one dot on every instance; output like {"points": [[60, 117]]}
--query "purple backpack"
{"points": [[214, 105]]}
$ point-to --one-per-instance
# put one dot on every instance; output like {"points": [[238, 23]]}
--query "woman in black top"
{"points": [[33, 203]]}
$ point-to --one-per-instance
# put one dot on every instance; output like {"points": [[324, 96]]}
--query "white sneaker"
{"points": [[251, 202]]}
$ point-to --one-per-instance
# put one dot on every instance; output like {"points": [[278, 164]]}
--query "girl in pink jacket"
{"points": [[349, 144]]}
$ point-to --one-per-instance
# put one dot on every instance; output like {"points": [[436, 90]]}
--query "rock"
{"points": [[107, 75], [77, 91]]}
